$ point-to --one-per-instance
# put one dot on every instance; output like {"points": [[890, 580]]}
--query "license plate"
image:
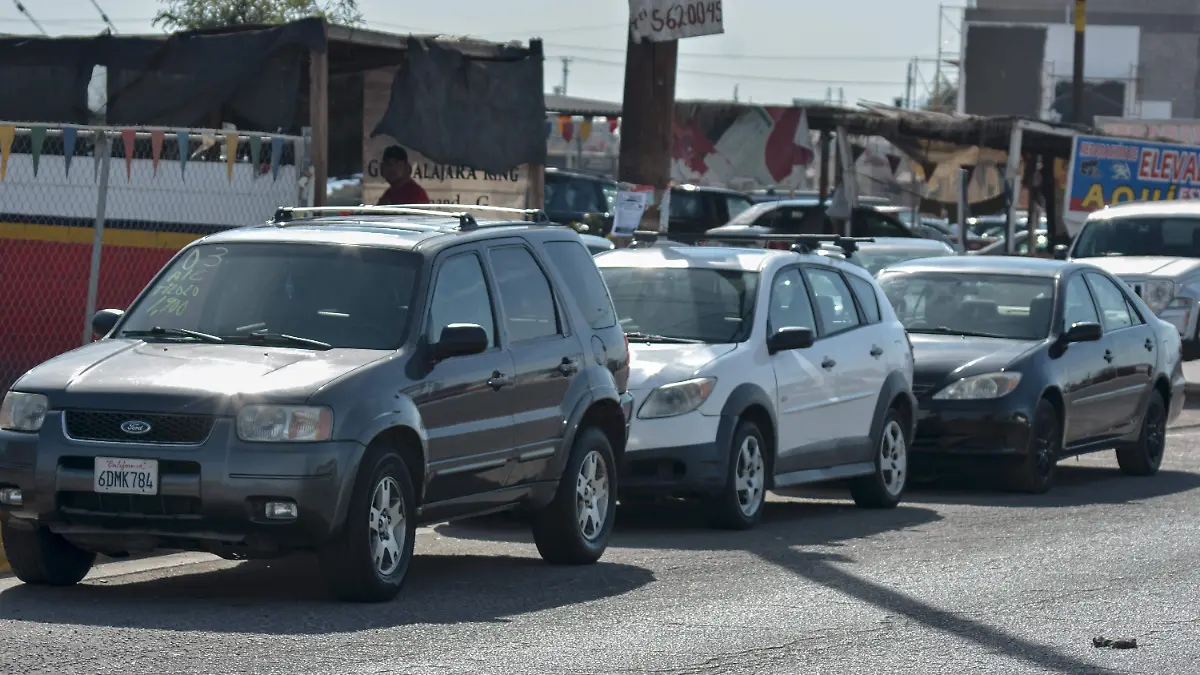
{"points": [[126, 476]]}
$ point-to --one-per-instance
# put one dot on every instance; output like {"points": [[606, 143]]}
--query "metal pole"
{"points": [[1077, 75], [963, 185], [937, 73], [1012, 179], [105, 149]]}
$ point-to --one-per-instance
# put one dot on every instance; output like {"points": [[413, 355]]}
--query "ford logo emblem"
{"points": [[135, 427]]}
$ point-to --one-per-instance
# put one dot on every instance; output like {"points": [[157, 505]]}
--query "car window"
{"points": [[694, 303], [801, 220], [1114, 308], [687, 204], [791, 306], [564, 193], [460, 295], [610, 197], [867, 298], [954, 302], [736, 204], [1175, 236], [875, 225], [835, 304], [1080, 308], [525, 294], [583, 282]]}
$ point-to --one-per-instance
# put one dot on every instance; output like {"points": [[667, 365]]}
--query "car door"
{"points": [[547, 354], [1083, 370], [466, 411], [804, 391], [846, 346], [1134, 360]]}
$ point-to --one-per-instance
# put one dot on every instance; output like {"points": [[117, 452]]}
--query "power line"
{"points": [[760, 57], [105, 17], [757, 78], [22, 10]]}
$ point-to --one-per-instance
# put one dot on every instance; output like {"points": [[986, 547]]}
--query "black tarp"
{"points": [[488, 115], [253, 75]]}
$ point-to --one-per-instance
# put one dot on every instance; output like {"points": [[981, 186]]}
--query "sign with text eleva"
{"points": [[664, 20]]}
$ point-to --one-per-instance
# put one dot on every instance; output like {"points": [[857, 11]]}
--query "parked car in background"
{"points": [[777, 194], [1155, 248], [695, 209], [806, 216], [875, 256], [326, 383], [1025, 361], [985, 230], [1021, 245], [596, 245], [755, 370], [926, 228], [577, 197]]}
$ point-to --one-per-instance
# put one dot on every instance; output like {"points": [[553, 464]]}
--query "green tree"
{"points": [[200, 14]]}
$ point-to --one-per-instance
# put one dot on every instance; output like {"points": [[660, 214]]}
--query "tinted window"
{"points": [[687, 204], [803, 220], [565, 193], [460, 295], [1114, 309], [346, 296], [867, 298], [1177, 236], [709, 305], [834, 302], [790, 305], [874, 225], [966, 303], [524, 293], [1080, 308], [584, 283], [736, 205]]}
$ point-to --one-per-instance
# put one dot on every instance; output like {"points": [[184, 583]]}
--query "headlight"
{"points": [[23, 412], [991, 385], [678, 398], [1158, 294], [284, 423]]}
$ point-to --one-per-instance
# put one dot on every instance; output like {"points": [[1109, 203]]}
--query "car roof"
{"points": [[1019, 265], [576, 173], [709, 257], [708, 188], [1174, 207], [903, 242]]}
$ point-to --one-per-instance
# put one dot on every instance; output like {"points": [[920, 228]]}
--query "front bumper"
{"points": [[211, 496], [680, 455], [972, 428]]}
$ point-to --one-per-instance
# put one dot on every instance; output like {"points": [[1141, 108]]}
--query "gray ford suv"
{"points": [[328, 381]]}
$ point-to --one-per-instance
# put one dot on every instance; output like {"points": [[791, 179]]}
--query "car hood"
{"points": [[942, 358], [193, 378], [653, 365], [1158, 266]]}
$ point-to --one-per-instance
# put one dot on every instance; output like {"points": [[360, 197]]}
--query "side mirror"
{"points": [[460, 339], [1087, 331], [104, 320], [1060, 252], [788, 338]]}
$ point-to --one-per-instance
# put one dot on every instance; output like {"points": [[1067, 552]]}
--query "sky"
{"points": [[772, 51]]}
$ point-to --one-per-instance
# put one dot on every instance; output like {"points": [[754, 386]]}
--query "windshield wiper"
{"points": [[648, 337], [159, 331], [943, 330], [278, 338]]}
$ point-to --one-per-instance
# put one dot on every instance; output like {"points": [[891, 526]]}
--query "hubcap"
{"points": [[748, 479], [387, 526], [591, 496], [893, 458]]}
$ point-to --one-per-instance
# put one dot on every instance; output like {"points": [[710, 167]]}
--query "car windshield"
{"points": [[1177, 236], [705, 305], [965, 303], [251, 293], [875, 259]]}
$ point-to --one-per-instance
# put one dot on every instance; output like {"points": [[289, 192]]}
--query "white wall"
{"points": [[1109, 52]]}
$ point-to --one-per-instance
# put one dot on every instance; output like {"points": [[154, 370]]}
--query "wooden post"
{"points": [[824, 184], [648, 120], [1031, 224], [318, 119], [1012, 179], [537, 186]]}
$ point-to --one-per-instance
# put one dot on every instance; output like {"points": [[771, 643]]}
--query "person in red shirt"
{"points": [[396, 170]]}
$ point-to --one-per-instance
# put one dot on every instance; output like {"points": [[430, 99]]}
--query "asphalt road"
{"points": [[962, 578]]}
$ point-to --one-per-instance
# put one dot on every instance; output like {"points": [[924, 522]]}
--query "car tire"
{"points": [[575, 527], [1144, 457], [1034, 472], [739, 504], [365, 562], [884, 487], [43, 558]]}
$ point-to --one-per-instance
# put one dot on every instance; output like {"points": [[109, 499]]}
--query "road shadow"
{"points": [[287, 597]]}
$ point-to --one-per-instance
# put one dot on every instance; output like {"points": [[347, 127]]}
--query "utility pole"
{"points": [[648, 119], [1077, 75], [566, 71], [908, 85], [937, 75], [735, 92]]}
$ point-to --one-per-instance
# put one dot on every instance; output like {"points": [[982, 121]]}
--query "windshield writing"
{"points": [[971, 304], [1152, 236], [708, 305]]}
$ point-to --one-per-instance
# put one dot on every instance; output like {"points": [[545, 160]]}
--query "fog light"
{"points": [[11, 496], [281, 510]]}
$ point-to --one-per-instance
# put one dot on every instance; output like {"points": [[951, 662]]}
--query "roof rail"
{"points": [[539, 215], [801, 243], [288, 214]]}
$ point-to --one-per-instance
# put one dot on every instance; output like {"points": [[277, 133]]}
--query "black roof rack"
{"points": [[801, 243], [289, 214]]}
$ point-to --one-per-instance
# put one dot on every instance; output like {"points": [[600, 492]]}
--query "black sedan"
{"points": [[1028, 361]]}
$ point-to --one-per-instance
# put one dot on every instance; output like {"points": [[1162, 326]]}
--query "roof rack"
{"points": [[801, 243], [539, 215], [288, 214]]}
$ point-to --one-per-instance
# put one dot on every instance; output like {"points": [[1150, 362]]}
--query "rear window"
{"points": [[867, 298], [584, 283]]}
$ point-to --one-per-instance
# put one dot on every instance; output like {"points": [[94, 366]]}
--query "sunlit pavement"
{"points": [[958, 579]]}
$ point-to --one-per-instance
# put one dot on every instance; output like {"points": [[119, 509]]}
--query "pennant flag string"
{"points": [[231, 144], [6, 140], [255, 155], [276, 156], [184, 148], [128, 138], [37, 139], [566, 127], [69, 135], [612, 125], [585, 129], [156, 143]]}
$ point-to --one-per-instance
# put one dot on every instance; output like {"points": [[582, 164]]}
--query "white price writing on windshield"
{"points": [[662, 20]]}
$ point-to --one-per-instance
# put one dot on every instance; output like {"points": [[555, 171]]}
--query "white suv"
{"points": [[754, 369]]}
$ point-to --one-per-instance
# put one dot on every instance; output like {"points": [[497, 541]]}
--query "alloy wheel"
{"points": [[387, 527], [893, 458], [749, 478], [591, 495]]}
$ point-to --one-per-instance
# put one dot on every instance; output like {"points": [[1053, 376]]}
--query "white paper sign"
{"points": [[663, 20], [630, 207]]}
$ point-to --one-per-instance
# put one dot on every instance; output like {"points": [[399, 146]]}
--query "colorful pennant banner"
{"points": [[37, 140], [128, 138], [6, 140], [231, 144], [185, 144], [156, 142], [69, 135], [255, 155], [276, 156]]}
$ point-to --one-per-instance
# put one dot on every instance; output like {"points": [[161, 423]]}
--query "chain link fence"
{"points": [[89, 214]]}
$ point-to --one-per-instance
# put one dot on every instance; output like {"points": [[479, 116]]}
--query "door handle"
{"points": [[499, 380], [828, 363], [568, 367], [1108, 355], [876, 351], [1149, 345]]}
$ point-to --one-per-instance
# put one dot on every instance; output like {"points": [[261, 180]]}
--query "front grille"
{"points": [[164, 429], [94, 503]]}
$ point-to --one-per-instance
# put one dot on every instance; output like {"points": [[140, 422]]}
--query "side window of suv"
{"points": [[687, 204], [867, 298], [525, 295], [835, 304], [460, 295], [583, 282]]}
